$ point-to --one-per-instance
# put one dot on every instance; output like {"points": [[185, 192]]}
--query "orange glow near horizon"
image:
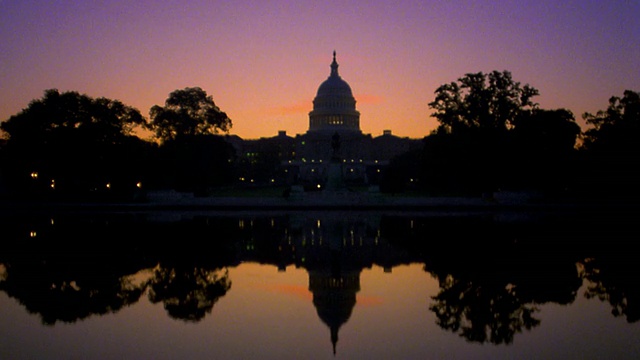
{"points": [[262, 63], [296, 291]]}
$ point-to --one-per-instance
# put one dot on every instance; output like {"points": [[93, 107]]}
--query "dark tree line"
{"points": [[492, 136], [192, 156], [70, 145]]}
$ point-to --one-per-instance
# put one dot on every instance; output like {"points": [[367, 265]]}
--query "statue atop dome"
{"points": [[334, 65]]}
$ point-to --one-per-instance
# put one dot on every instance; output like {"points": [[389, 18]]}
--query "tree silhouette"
{"points": [[192, 157], [72, 143], [611, 150], [102, 119], [492, 136], [611, 268], [194, 163], [188, 293], [614, 129], [615, 280], [543, 150], [70, 288], [479, 101], [189, 112], [466, 153], [482, 312]]}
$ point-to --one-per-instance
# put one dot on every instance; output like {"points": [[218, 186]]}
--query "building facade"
{"points": [[334, 134]]}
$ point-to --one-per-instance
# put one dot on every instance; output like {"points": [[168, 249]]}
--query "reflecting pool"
{"points": [[319, 285]]}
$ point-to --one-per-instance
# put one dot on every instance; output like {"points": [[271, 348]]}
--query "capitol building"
{"points": [[334, 134]]}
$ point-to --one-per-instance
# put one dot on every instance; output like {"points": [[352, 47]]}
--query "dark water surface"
{"points": [[319, 285]]}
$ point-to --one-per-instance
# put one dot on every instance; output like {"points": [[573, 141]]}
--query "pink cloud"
{"points": [[369, 99], [297, 291]]}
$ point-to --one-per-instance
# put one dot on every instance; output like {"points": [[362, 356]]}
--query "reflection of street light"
{"points": [[53, 184]]}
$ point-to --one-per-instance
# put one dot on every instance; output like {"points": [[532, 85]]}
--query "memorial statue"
{"points": [[335, 145]]}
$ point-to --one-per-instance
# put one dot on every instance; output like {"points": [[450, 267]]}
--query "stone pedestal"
{"points": [[335, 179]]}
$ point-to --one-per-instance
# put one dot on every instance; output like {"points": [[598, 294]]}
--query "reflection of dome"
{"points": [[334, 298], [334, 107]]}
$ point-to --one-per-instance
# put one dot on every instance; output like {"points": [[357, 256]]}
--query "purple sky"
{"points": [[262, 61]]}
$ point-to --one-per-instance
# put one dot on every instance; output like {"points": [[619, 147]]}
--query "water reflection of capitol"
{"points": [[334, 249]]}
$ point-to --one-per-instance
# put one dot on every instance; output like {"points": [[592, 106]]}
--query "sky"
{"points": [[262, 61]]}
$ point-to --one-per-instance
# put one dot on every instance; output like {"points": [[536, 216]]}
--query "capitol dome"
{"points": [[334, 107]]}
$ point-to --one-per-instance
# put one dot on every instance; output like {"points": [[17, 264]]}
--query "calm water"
{"points": [[312, 285]]}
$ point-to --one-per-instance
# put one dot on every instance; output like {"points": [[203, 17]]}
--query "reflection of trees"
{"points": [[616, 281], [82, 264], [492, 274], [66, 292], [74, 288], [491, 297], [611, 268], [188, 293], [482, 312]]}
